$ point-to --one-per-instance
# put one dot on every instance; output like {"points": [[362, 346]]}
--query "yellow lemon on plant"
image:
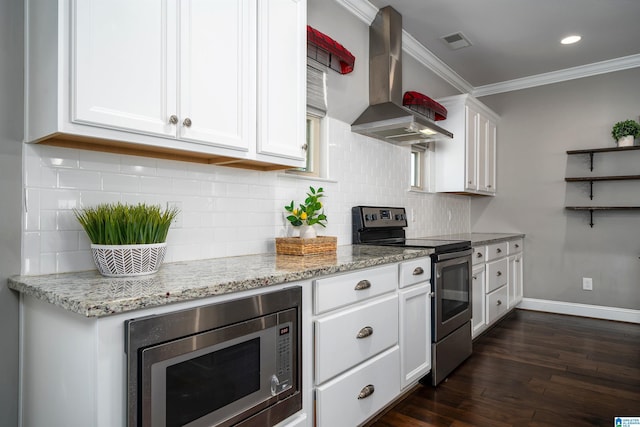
{"points": [[295, 211], [303, 215]]}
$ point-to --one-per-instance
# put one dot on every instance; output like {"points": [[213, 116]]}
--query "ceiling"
{"points": [[519, 39]]}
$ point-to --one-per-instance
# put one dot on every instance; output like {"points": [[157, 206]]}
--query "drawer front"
{"points": [[334, 292], [515, 246], [497, 250], [337, 345], [497, 304], [497, 274], [416, 271], [479, 254], [338, 403]]}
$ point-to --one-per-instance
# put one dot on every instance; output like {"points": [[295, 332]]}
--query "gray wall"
{"points": [[537, 127], [11, 118]]}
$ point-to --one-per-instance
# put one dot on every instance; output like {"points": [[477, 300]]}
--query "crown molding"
{"points": [[573, 73], [423, 55], [362, 9]]}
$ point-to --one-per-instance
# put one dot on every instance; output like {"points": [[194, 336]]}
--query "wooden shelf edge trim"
{"points": [[603, 150], [602, 208], [602, 178]]}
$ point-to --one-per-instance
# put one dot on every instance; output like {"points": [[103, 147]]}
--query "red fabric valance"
{"points": [[329, 52], [424, 105]]}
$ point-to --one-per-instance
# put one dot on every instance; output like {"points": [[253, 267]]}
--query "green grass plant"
{"points": [[120, 224]]}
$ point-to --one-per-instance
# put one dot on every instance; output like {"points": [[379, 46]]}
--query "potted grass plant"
{"points": [[127, 240]]}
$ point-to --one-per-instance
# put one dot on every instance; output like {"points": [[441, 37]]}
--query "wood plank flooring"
{"points": [[535, 369]]}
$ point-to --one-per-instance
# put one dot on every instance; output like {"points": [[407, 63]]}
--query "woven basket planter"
{"points": [[128, 260], [298, 246]]}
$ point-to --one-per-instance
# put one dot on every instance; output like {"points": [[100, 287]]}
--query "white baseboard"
{"points": [[584, 310]]}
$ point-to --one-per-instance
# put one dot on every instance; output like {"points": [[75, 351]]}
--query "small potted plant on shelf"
{"points": [[308, 214], [625, 132], [127, 240]]}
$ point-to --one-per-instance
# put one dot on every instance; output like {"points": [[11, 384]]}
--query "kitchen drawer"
{"points": [[497, 274], [339, 402], [479, 254], [497, 304], [416, 271], [496, 250], [337, 345], [337, 291], [515, 246]]}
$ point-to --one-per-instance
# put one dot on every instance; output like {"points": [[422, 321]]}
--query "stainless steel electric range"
{"points": [[450, 276]]}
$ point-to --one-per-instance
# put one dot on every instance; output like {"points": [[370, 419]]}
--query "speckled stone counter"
{"points": [[92, 295], [478, 239]]}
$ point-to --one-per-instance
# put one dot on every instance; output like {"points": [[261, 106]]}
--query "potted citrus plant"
{"points": [[625, 132], [127, 240], [307, 214]]}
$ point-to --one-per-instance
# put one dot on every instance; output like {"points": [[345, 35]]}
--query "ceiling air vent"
{"points": [[456, 41]]}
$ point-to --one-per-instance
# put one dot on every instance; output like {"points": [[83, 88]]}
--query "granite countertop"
{"points": [[478, 239], [92, 295]]}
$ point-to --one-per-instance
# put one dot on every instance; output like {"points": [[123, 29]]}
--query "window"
{"points": [[422, 170], [316, 110]]}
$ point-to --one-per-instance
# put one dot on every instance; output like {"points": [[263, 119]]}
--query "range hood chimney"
{"points": [[386, 118]]}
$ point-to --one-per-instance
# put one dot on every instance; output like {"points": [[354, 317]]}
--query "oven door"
{"points": [[452, 292], [219, 377]]}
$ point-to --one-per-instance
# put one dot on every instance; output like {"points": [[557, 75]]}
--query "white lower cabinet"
{"points": [[372, 339], [497, 282], [359, 332], [350, 399], [415, 333], [478, 313]]}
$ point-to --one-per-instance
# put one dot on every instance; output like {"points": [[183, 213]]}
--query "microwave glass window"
{"points": [[455, 292], [199, 386]]}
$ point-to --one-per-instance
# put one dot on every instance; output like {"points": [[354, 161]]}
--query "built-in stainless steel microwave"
{"points": [[233, 363]]}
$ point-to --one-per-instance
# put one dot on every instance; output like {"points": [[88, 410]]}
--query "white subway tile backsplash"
{"points": [[224, 211]]}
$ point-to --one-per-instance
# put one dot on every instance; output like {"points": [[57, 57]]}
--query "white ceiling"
{"points": [[520, 39]]}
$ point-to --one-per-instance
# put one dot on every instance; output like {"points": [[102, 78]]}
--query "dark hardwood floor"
{"points": [[535, 369]]}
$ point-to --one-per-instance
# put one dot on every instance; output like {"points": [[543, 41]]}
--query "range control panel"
{"points": [[377, 217]]}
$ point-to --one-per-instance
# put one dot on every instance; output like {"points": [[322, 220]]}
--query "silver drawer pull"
{"points": [[517, 246], [367, 331], [366, 391], [479, 255], [499, 302], [499, 250], [418, 271], [363, 284], [499, 273]]}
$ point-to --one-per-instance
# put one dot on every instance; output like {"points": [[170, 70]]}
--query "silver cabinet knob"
{"points": [[479, 255], [475, 277], [499, 302], [363, 284], [305, 147], [173, 119], [499, 250], [367, 331], [366, 391], [187, 122], [499, 273]]}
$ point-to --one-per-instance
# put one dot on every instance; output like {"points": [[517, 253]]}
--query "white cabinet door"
{"points": [[471, 149], [490, 161], [282, 78], [217, 68], [515, 280], [123, 67], [415, 333], [478, 314]]}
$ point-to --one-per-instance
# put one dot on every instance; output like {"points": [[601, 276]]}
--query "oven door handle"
{"points": [[452, 255]]}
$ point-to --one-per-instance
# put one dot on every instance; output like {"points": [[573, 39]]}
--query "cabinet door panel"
{"points": [[471, 149], [415, 333], [282, 78], [217, 68], [482, 153], [478, 319], [123, 64], [490, 169]]}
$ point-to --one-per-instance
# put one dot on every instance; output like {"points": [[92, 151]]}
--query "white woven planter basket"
{"points": [[128, 260]]}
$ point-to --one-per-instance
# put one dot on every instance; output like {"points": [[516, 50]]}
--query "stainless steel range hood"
{"points": [[386, 118]]}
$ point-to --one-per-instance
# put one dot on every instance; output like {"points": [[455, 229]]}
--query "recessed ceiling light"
{"points": [[571, 39]]}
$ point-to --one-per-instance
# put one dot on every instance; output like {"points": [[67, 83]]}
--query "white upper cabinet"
{"points": [[217, 80], [467, 164]]}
